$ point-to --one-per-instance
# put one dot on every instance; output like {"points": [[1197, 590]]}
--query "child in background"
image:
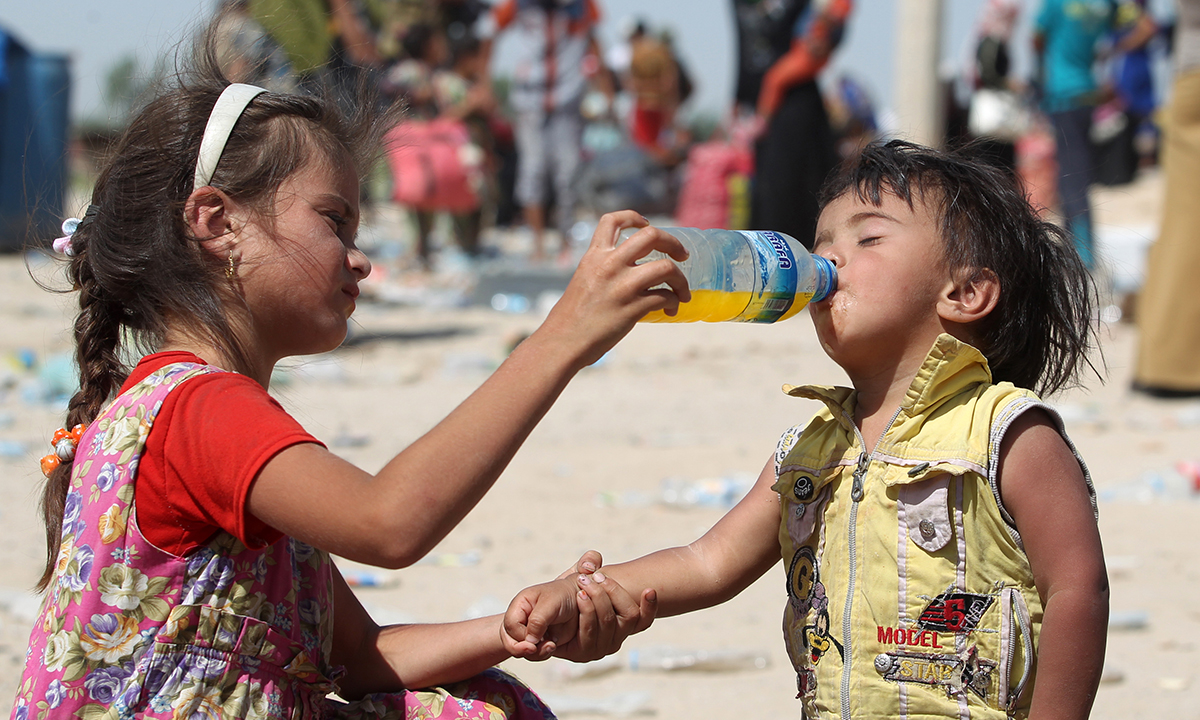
{"points": [[937, 527], [463, 92], [190, 521]]}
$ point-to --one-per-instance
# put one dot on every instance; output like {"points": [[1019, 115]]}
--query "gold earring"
{"points": [[231, 269]]}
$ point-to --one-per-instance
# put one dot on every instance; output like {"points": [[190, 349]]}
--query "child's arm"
{"points": [[742, 546], [388, 659], [394, 518], [1043, 488]]}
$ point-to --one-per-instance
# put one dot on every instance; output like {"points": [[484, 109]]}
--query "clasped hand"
{"points": [[581, 616]]}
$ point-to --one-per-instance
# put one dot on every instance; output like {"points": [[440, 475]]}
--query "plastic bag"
{"points": [[999, 114]]}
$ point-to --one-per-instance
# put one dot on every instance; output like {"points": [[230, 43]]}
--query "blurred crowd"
{"points": [[574, 129]]}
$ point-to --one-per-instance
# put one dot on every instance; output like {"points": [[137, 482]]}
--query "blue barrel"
{"points": [[34, 120]]}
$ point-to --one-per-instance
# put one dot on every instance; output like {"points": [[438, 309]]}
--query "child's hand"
{"points": [[607, 615], [534, 611], [581, 616], [610, 291]]}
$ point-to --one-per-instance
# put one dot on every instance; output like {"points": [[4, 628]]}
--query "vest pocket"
{"points": [[925, 510]]}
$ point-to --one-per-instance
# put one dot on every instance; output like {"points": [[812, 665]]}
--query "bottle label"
{"points": [[779, 278]]}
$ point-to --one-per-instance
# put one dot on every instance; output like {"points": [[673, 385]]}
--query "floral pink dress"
{"points": [[130, 631]]}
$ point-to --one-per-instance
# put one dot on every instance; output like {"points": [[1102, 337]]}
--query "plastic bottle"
{"points": [[669, 658], [745, 276]]}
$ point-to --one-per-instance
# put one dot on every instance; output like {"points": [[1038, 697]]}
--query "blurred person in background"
{"points": [[991, 80], [654, 82], [557, 53], [1066, 37], [327, 42], [782, 47], [245, 53], [1168, 311], [463, 91]]}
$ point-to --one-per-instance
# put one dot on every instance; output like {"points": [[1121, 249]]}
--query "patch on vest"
{"points": [[810, 601], [802, 580], [955, 673], [955, 612]]}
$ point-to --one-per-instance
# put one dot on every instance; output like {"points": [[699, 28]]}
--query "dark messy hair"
{"points": [[136, 265], [1042, 330]]}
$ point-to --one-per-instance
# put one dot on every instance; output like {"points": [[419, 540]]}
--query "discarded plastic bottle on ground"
{"points": [[745, 276], [669, 658]]}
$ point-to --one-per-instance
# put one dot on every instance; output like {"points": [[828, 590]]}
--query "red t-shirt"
{"points": [[209, 441]]}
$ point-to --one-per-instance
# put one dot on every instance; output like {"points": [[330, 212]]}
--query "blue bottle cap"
{"points": [[827, 278]]}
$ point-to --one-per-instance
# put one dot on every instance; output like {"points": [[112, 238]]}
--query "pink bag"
{"points": [[435, 166], [705, 199]]}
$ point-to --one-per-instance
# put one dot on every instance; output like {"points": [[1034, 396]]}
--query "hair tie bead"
{"points": [[64, 442]]}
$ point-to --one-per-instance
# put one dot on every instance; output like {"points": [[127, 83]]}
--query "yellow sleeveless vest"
{"points": [[909, 593]]}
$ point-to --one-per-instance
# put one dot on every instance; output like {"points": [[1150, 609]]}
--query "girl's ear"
{"points": [[207, 214], [970, 298]]}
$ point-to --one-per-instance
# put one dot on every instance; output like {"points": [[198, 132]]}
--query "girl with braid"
{"points": [[190, 520]]}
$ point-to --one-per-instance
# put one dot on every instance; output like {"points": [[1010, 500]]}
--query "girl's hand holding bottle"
{"points": [[610, 291]]}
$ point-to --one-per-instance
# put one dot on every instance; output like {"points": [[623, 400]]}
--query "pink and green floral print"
{"points": [[130, 631]]}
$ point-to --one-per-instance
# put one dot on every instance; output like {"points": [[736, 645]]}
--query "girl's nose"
{"points": [[358, 262]]}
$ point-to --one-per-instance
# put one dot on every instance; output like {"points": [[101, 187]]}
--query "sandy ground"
{"points": [[689, 403]]}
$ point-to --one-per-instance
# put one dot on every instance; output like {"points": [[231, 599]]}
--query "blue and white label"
{"points": [[777, 271]]}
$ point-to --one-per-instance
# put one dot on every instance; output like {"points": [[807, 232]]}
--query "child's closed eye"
{"points": [[336, 219], [869, 240]]}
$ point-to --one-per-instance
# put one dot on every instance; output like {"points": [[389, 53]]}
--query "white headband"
{"points": [[224, 116]]}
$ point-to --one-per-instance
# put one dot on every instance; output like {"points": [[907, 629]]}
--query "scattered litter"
{"points": [[665, 658], [1187, 416], [1174, 683], [469, 558], [368, 579], [627, 498], [624, 704], [669, 658], [1128, 620], [510, 303], [1181, 482], [485, 606], [563, 670], [21, 359], [722, 492], [350, 440], [1111, 313]]}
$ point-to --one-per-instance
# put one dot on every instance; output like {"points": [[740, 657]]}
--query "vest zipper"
{"points": [[1021, 613], [856, 494]]}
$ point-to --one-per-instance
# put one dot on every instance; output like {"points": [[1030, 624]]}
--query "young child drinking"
{"points": [[190, 520], [937, 528]]}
